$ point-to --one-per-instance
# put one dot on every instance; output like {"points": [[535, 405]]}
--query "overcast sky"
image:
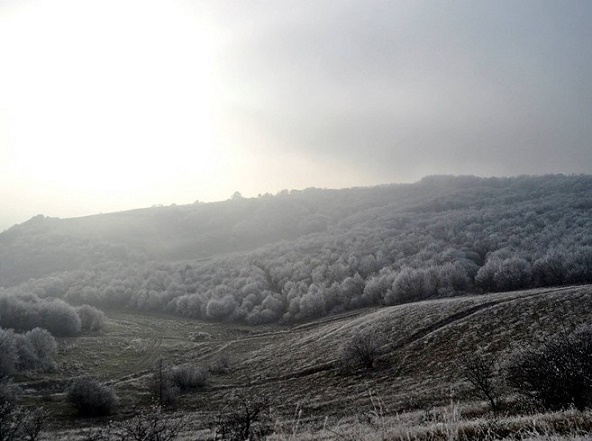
{"points": [[116, 104]]}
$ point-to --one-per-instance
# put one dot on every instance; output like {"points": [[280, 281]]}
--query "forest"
{"points": [[300, 255], [460, 304]]}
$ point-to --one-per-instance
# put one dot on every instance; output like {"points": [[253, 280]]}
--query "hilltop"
{"points": [[300, 255]]}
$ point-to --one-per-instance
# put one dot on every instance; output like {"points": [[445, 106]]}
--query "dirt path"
{"points": [[458, 316]]}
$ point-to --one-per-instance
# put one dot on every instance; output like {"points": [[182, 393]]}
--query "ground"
{"points": [[297, 367]]}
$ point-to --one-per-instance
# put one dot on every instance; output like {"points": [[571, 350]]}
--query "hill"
{"points": [[300, 255], [297, 367]]}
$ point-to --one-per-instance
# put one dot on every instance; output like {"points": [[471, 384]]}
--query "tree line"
{"points": [[443, 236]]}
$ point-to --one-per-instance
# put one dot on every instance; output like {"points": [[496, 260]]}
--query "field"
{"points": [[417, 379]]}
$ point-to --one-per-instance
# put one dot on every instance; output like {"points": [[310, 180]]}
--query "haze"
{"points": [[115, 104]]}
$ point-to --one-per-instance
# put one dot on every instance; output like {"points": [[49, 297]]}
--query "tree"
{"points": [[91, 318], [480, 372], [44, 345], [8, 352], [164, 389], [557, 373], [91, 398], [150, 425], [18, 423], [244, 418], [153, 425], [188, 377], [360, 351]]}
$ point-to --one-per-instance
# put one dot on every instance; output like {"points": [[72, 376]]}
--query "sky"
{"points": [[108, 105]]}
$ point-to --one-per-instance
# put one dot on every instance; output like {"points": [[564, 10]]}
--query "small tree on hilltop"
{"points": [[360, 351]]}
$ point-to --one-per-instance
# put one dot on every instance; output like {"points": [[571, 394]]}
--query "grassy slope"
{"points": [[295, 366]]}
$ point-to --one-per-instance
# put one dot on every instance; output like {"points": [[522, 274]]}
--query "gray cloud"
{"points": [[481, 87]]}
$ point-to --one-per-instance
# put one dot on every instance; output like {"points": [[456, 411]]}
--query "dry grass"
{"points": [[295, 366], [448, 424]]}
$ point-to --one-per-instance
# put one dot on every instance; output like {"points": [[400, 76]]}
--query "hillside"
{"points": [[296, 367], [301, 255]]}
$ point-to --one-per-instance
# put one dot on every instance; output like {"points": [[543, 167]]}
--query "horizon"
{"points": [[194, 100], [290, 190]]}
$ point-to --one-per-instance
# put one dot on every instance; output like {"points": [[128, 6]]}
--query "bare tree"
{"points": [[244, 418], [360, 351], [153, 425], [480, 372], [20, 424], [164, 390]]}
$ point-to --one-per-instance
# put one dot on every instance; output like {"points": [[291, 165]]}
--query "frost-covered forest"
{"points": [[298, 255]]}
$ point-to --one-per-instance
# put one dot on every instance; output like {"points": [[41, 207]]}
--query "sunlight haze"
{"points": [[114, 105]]}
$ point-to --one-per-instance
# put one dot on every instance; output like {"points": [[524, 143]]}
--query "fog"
{"points": [[113, 105]]}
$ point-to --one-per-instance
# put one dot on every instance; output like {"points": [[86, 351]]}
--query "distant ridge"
{"points": [[305, 254]]}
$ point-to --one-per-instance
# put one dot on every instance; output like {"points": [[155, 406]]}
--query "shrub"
{"points": [[59, 318], [481, 373], [44, 345], [360, 351], [244, 418], [164, 389], [189, 377], [27, 357], [17, 423], [8, 391], [90, 397], [91, 318], [8, 352], [153, 425], [220, 364], [557, 374]]}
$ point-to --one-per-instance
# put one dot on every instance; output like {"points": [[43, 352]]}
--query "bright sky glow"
{"points": [[107, 100]]}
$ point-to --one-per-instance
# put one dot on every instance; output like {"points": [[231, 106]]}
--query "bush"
{"points": [[557, 374], [17, 423], [153, 425], [90, 397], [8, 391], [189, 377], [8, 352], [220, 364], [91, 318], [244, 418], [59, 318], [27, 358], [360, 351], [44, 345], [481, 373], [164, 390]]}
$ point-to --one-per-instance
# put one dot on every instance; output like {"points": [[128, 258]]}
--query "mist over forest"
{"points": [[299, 255]]}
